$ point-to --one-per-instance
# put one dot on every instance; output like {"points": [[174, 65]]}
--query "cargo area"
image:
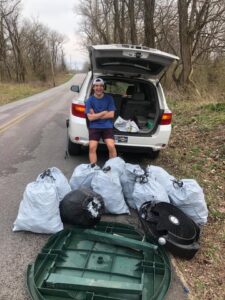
{"points": [[135, 100]]}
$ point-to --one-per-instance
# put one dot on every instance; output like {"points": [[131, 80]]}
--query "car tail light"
{"points": [[78, 110], [166, 119]]}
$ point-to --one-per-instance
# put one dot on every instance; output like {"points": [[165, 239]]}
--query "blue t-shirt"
{"points": [[99, 105]]}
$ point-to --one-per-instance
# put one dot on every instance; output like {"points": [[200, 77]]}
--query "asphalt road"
{"points": [[33, 138]]}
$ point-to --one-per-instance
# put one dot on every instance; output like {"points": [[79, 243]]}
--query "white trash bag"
{"points": [[188, 196], [126, 125], [161, 176], [39, 208], [116, 164], [147, 189], [128, 178], [107, 184], [54, 175], [83, 175]]}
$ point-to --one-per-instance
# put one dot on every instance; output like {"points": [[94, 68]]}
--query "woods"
{"points": [[28, 49], [194, 30]]}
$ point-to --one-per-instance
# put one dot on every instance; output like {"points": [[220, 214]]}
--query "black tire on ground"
{"points": [[73, 149], [154, 154]]}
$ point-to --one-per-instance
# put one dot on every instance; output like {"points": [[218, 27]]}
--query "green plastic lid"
{"points": [[109, 262]]}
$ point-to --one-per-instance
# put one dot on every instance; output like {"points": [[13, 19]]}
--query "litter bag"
{"points": [[82, 207], [107, 184], [188, 196], [55, 176], [116, 164], [83, 175], [128, 178], [125, 125], [39, 208], [161, 176], [147, 189]]}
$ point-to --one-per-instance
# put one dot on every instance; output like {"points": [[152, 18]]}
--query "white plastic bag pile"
{"points": [[39, 208], [123, 185], [125, 125], [120, 184]]}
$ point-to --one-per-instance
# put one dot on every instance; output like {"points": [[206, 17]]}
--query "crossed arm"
{"points": [[101, 115]]}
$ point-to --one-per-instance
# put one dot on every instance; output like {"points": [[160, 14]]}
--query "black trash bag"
{"points": [[82, 207]]}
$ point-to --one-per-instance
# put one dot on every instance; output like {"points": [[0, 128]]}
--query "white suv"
{"points": [[132, 76]]}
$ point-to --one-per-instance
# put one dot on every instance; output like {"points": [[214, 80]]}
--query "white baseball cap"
{"points": [[98, 81]]}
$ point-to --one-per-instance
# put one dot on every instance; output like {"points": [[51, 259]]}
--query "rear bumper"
{"points": [[78, 133]]}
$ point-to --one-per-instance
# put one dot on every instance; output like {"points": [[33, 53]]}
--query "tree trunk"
{"points": [[186, 41], [133, 34], [149, 8], [116, 21], [122, 18], [16, 49]]}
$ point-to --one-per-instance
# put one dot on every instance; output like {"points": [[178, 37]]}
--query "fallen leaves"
{"points": [[197, 150]]}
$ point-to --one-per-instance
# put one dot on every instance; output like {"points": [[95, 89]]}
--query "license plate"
{"points": [[121, 138]]}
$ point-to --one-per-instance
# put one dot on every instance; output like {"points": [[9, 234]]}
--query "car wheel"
{"points": [[154, 154], [73, 149]]}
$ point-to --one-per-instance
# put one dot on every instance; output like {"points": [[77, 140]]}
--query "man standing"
{"points": [[100, 110]]}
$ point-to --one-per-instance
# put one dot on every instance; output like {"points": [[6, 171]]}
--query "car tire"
{"points": [[154, 154], [73, 149]]}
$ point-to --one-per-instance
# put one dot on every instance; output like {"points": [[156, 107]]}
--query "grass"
{"points": [[14, 91], [197, 150]]}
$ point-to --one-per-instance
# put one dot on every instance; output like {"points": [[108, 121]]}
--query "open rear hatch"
{"points": [[130, 60]]}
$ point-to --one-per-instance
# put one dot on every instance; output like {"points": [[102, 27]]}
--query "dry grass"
{"points": [[197, 150], [14, 91]]}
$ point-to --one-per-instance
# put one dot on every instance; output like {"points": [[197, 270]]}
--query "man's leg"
{"points": [[92, 151], [111, 147], [109, 141], [94, 137]]}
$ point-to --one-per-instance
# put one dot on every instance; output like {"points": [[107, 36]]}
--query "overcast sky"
{"points": [[58, 15]]}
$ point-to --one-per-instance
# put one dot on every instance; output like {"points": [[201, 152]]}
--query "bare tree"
{"points": [[11, 22], [131, 13], [94, 25], [191, 29], [195, 19], [166, 26], [7, 8], [35, 36], [149, 9], [119, 21], [27, 46], [55, 43]]}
